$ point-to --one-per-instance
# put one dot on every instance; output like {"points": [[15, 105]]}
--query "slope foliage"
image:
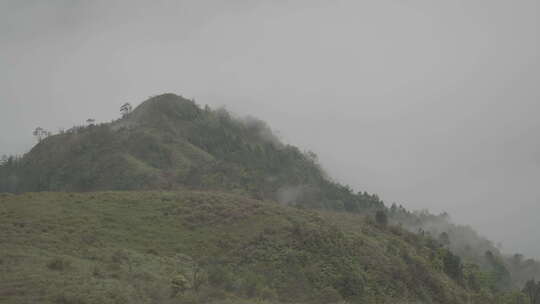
{"points": [[219, 210], [208, 247], [502, 272], [169, 142]]}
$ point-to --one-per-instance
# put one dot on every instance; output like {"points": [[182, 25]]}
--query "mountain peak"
{"points": [[165, 107], [166, 98], [164, 102]]}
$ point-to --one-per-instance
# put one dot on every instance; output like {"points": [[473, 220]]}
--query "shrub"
{"points": [[58, 264], [267, 293], [220, 276], [329, 295], [69, 299], [381, 218], [97, 272]]}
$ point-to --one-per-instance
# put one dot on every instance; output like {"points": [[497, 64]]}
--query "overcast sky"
{"points": [[432, 104]]}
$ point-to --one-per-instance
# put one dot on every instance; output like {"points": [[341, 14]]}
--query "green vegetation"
{"points": [[215, 209], [169, 142], [209, 247], [500, 272], [532, 291]]}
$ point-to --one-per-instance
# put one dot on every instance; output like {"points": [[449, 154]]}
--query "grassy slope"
{"points": [[130, 247]]}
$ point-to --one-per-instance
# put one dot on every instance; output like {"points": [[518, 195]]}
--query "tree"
{"points": [[452, 266], [499, 271], [125, 109], [40, 133], [532, 290], [517, 259], [381, 218], [90, 121], [444, 239]]}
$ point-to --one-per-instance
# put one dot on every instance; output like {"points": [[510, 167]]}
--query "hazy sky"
{"points": [[433, 104]]}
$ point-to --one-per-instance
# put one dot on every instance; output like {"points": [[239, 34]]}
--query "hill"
{"points": [[210, 247], [503, 271], [216, 208], [169, 142]]}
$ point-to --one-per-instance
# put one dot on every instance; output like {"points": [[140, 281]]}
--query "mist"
{"points": [[431, 104]]}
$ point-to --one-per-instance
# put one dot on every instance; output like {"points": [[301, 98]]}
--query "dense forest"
{"points": [[239, 214]]}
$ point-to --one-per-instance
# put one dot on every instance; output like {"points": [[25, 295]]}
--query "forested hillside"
{"points": [[178, 203], [503, 272], [169, 142]]}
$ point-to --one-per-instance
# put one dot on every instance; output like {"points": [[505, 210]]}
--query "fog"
{"points": [[431, 104]]}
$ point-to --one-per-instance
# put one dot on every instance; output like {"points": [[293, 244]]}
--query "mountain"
{"points": [[169, 142], [177, 203]]}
